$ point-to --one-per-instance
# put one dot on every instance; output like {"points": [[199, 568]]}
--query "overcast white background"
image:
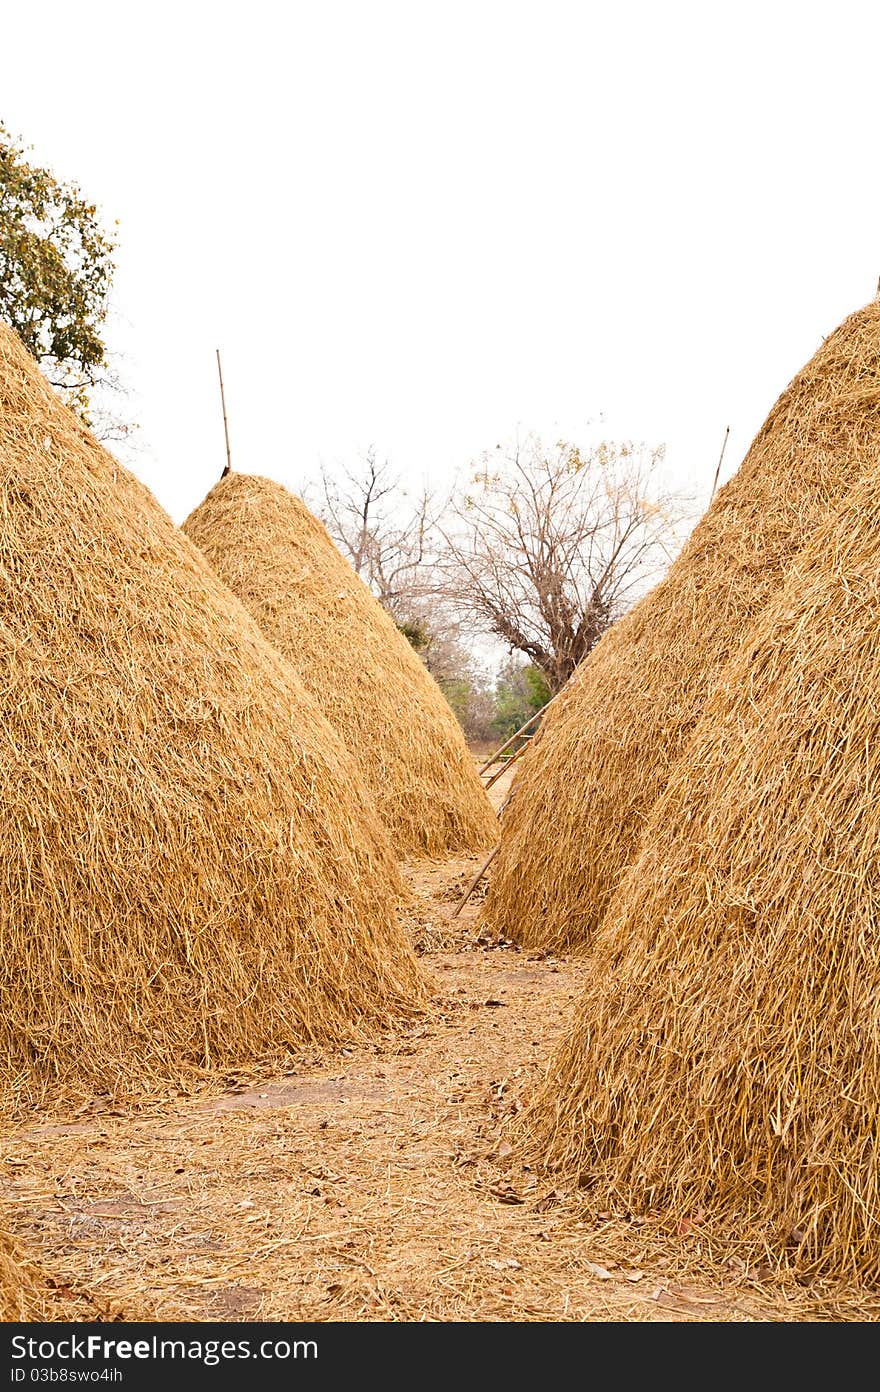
{"points": [[423, 226]]}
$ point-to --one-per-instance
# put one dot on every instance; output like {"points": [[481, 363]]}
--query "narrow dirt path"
{"points": [[373, 1187]]}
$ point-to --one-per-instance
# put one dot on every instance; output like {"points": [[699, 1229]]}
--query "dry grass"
{"points": [[606, 750], [190, 872], [391, 715], [22, 1292], [725, 1060], [28, 1293]]}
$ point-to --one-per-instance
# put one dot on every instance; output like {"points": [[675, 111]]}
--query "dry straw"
{"points": [[725, 1062], [23, 1295], [590, 779], [190, 872], [280, 561]]}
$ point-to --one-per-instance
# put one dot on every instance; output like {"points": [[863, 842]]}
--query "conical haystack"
{"points": [[390, 714], [726, 1053], [604, 755], [190, 874]]}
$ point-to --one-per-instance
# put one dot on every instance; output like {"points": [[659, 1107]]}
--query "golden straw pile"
{"points": [[190, 871], [608, 746], [22, 1295], [726, 1052], [390, 714]]}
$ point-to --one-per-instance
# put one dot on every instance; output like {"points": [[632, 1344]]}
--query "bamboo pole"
{"points": [[475, 881], [484, 867], [718, 470], [531, 720], [508, 763], [225, 425]]}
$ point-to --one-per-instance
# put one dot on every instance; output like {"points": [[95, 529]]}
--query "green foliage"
{"points": [[472, 705], [458, 692], [537, 686], [56, 266], [487, 711], [416, 632], [520, 692]]}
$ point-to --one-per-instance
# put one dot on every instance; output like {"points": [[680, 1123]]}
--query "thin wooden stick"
{"points": [[508, 763], [532, 718], [718, 470], [486, 863], [475, 881], [225, 426]]}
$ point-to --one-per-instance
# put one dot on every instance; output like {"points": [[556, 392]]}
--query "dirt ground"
{"points": [[373, 1184]]}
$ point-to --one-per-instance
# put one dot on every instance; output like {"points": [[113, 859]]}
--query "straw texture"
{"points": [[190, 873], [605, 753], [389, 712], [725, 1059], [23, 1296]]}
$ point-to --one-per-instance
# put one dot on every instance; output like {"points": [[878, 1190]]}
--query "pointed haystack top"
{"points": [[280, 561], [190, 874], [726, 1053], [606, 751]]}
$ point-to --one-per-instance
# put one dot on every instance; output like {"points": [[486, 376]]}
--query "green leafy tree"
{"points": [[520, 692], [56, 267]]}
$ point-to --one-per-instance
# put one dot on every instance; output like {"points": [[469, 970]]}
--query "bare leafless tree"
{"points": [[387, 533], [547, 547]]}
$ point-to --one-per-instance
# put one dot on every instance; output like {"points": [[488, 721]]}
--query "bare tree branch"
{"points": [[549, 547], [389, 536]]}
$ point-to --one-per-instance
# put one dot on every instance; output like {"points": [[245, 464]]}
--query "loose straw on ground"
{"points": [[23, 1293]]}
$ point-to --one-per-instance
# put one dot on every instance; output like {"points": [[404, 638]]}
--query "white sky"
{"points": [[423, 226]]}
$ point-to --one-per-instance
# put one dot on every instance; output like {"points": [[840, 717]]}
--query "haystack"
{"points": [[190, 871], [389, 712], [608, 745], [725, 1062]]}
